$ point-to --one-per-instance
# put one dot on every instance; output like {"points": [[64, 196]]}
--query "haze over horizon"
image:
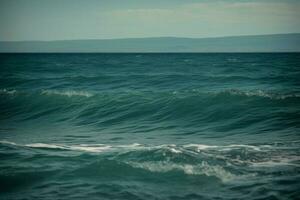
{"points": [[154, 37], [29, 20]]}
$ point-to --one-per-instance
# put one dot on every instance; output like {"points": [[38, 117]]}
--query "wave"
{"points": [[179, 93], [68, 93], [259, 93], [233, 162], [94, 148], [8, 91], [186, 108], [200, 147], [83, 147], [136, 146], [243, 150], [199, 169]]}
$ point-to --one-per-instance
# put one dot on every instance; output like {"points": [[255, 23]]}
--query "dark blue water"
{"points": [[149, 126]]}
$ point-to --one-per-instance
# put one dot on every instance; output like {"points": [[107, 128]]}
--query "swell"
{"points": [[192, 108], [225, 163], [226, 94], [149, 79], [273, 95]]}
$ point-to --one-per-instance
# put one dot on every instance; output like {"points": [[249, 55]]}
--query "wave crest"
{"points": [[180, 94], [8, 92], [68, 93], [258, 93], [220, 161], [199, 169]]}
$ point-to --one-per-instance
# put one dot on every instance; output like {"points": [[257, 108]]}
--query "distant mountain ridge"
{"points": [[253, 43]]}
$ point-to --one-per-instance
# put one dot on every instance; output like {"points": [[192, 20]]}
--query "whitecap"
{"points": [[42, 145], [68, 93], [278, 161], [136, 146], [173, 150], [7, 142], [94, 149], [201, 146], [202, 168], [9, 92], [261, 93], [81, 147]]}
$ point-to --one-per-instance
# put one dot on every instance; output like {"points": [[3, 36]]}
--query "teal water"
{"points": [[149, 126]]}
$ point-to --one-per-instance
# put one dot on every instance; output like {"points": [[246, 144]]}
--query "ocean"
{"points": [[150, 126]]}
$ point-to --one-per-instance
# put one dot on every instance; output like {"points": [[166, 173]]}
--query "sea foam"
{"points": [[7, 91], [68, 93], [198, 169]]}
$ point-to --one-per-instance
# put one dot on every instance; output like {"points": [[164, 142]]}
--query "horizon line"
{"points": [[150, 37], [156, 52]]}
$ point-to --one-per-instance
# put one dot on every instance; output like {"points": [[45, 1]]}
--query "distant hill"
{"points": [[257, 43]]}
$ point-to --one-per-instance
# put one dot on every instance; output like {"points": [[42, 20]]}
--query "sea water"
{"points": [[150, 126]]}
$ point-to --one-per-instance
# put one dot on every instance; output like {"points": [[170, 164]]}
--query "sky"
{"points": [[105, 19]]}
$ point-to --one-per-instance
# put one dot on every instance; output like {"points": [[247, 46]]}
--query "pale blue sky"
{"points": [[99, 19]]}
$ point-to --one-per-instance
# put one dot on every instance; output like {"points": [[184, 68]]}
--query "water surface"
{"points": [[149, 126]]}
